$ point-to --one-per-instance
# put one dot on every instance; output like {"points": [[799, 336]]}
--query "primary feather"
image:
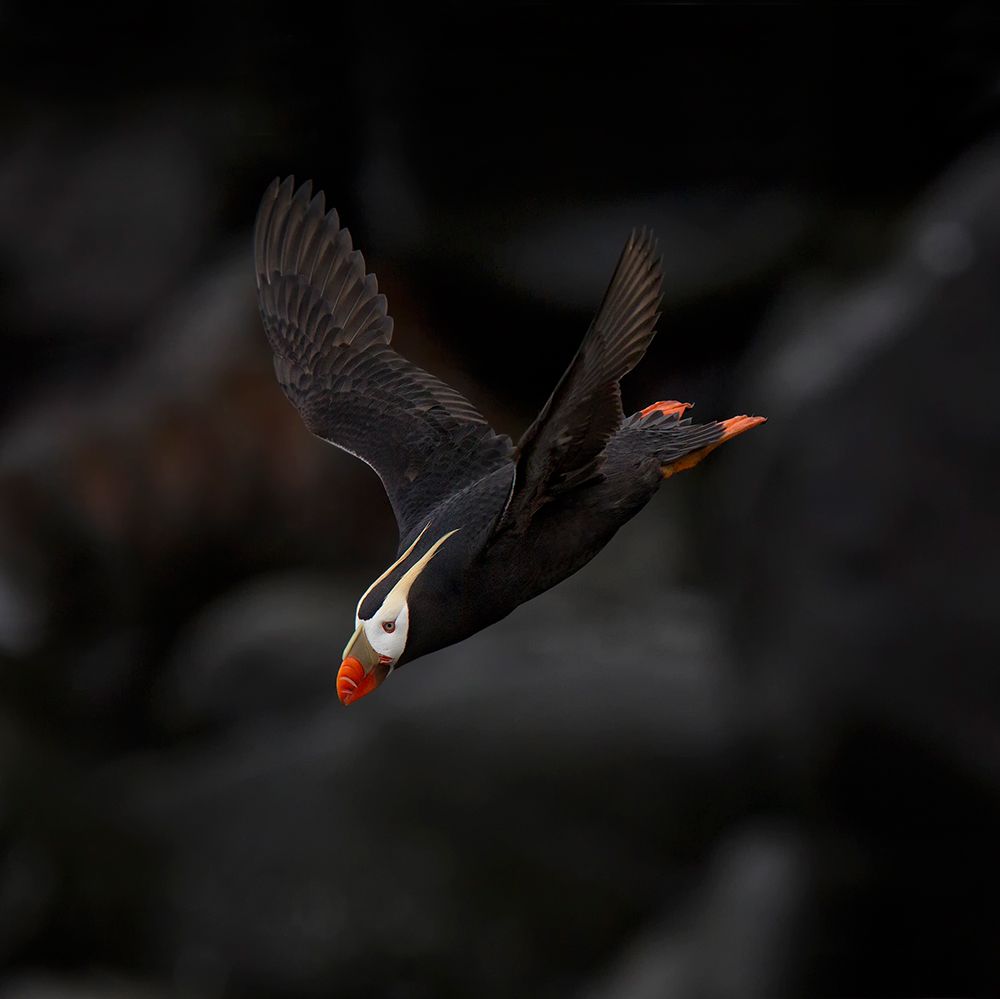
{"points": [[330, 331]]}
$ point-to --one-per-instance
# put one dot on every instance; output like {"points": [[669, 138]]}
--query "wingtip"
{"points": [[285, 189], [318, 204], [645, 237]]}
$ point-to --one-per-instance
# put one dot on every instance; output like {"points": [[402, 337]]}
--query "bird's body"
{"points": [[483, 526], [482, 574]]}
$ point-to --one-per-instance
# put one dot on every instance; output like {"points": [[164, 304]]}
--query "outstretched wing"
{"points": [[330, 332], [564, 447]]}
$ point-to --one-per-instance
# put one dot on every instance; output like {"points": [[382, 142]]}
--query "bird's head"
{"points": [[382, 625]]}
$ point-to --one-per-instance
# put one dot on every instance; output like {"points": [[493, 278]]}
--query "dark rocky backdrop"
{"points": [[792, 785]]}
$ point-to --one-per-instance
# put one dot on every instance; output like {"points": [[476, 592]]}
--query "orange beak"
{"points": [[353, 683], [362, 670]]}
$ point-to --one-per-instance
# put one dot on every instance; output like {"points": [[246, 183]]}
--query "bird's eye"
{"points": [[389, 626]]}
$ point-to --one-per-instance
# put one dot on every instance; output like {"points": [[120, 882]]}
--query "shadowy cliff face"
{"points": [[749, 750]]}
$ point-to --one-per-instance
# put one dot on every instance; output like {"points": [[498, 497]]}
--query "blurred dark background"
{"points": [[792, 786]]}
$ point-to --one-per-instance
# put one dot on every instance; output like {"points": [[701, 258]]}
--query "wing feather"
{"points": [[330, 329], [564, 447]]}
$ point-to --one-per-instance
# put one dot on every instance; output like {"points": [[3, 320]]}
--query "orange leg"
{"points": [[667, 408], [730, 428]]}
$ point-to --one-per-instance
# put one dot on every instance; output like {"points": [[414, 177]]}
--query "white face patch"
{"points": [[387, 628]]}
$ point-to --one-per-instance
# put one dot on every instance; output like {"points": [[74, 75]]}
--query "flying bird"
{"points": [[483, 525]]}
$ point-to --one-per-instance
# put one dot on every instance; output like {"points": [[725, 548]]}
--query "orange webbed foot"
{"points": [[668, 408], [730, 428]]}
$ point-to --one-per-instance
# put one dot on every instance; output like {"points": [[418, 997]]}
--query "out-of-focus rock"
{"points": [[97, 228], [880, 555], [267, 648], [93, 986], [736, 936], [868, 544], [594, 790], [426, 839], [709, 242], [20, 612], [115, 497], [28, 880]]}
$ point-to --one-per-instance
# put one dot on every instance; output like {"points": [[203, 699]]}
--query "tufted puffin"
{"points": [[483, 525]]}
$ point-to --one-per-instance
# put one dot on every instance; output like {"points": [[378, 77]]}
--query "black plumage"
{"points": [[517, 520], [330, 330], [564, 447]]}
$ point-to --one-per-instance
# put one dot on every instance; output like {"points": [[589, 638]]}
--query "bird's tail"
{"points": [[678, 443]]}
